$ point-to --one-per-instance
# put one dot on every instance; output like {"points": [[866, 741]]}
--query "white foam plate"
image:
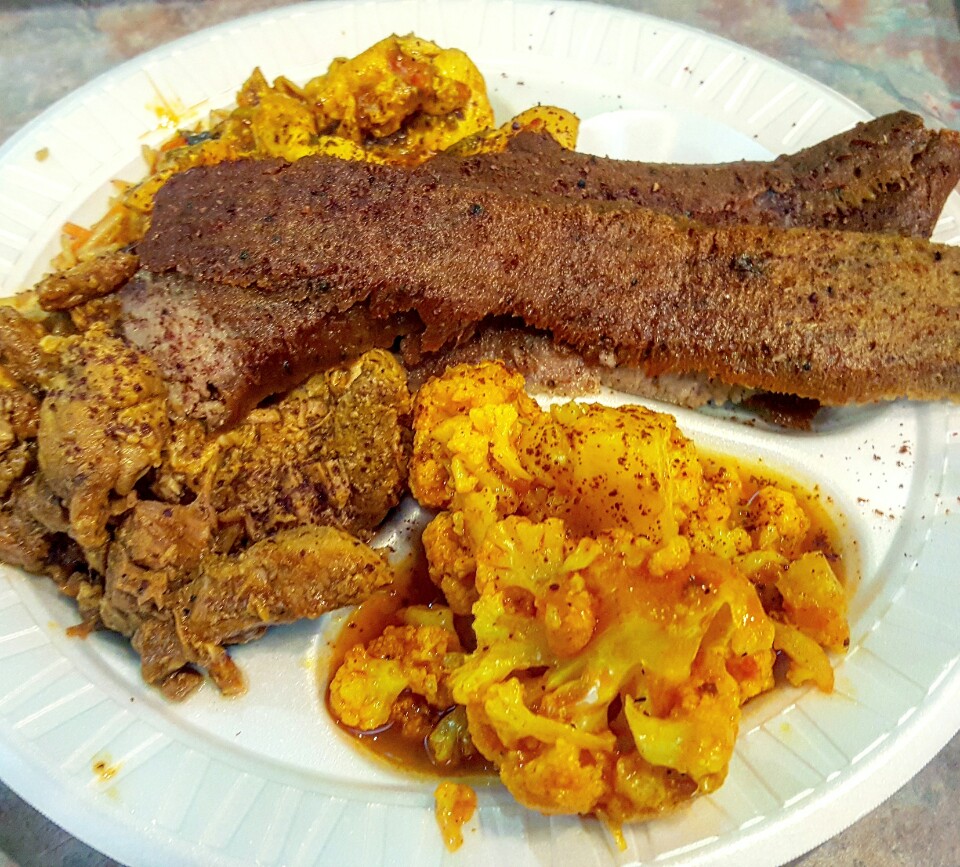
{"points": [[267, 778]]}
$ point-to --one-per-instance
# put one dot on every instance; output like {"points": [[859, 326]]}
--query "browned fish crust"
{"points": [[891, 174], [836, 316]]}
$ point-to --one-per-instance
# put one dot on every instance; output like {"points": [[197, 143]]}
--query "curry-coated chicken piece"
{"points": [[181, 603], [24, 541], [156, 551], [103, 425], [86, 281], [24, 366], [21, 349], [19, 417], [298, 573], [333, 451]]}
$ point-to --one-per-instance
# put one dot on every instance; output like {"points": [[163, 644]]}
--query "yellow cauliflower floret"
{"points": [[627, 597], [814, 600], [641, 789], [371, 678], [451, 564], [777, 521], [569, 614], [808, 662], [712, 527], [561, 778], [283, 126], [558, 123], [661, 641], [452, 397], [603, 468], [400, 101], [696, 736], [403, 84]]}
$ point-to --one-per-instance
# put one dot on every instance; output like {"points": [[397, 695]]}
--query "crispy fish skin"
{"points": [[890, 174], [835, 316]]}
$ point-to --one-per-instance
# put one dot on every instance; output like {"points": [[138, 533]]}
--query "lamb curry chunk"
{"points": [[333, 451], [103, 426], [184, 540], [181, 603]]}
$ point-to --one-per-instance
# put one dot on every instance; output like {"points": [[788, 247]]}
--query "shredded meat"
{"points": [[103, 424], [33, 537], [186, 541], [181, 604], [20, 351], [300, 572], [333, 451], [24, 542], [86, 281]]}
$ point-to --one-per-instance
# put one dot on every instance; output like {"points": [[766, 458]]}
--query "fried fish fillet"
{"points": [[839, 317], [890, 174]]}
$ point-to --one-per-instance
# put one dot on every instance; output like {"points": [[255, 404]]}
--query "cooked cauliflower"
{"points": [[646, 669], [627, 596], [400, 101], [406, 658]]}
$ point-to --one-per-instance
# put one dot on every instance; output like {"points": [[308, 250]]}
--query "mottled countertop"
{"points": [[882, 54]]}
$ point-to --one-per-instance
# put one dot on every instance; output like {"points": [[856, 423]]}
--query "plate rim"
{"points": [[887, 764]]}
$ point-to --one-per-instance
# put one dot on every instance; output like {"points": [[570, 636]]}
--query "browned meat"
{"points": [[27, 542], [299, 573], [19, 411], [104, 310], [165, 664], [545, 365], [103, 425], [86, 281], [222, 351], [20, 351], [24, 367], [44, 506], [834, 316], [182, 604], [24, 542], [333, 451], [296, 574], [160, 536], [19, 419], [886, 175], [154, 554]]}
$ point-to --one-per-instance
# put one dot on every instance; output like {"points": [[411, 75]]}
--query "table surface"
{"points": [[883, 54]]}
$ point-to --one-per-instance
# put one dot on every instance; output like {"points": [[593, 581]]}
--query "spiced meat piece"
{"points": [[222, 350]]}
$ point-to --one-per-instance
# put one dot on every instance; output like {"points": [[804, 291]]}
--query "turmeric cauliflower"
{"points": [[365, 690], [400, 101], [627, 595]]}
